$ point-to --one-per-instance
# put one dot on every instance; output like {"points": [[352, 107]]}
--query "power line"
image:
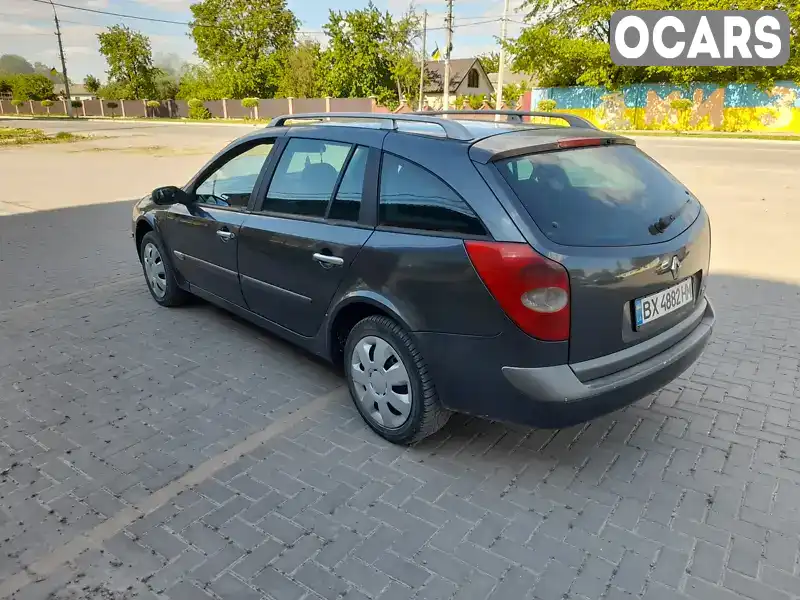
{"points": [[188, 24], [113, 14]]}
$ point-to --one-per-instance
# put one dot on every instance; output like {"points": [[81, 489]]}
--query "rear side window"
{"points": [[600, 196], [347, 204], [413, 198]]}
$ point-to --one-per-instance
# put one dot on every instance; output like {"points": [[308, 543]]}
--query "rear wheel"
{"points": [[389, 382], [158, 272]]}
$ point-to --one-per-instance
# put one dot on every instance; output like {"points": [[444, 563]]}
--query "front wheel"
{"points": [[158, 272], [390, 383]]}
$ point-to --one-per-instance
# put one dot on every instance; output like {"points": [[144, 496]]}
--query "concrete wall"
{"points": [[180, 108], [735, 107]]}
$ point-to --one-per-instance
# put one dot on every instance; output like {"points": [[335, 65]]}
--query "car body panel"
{"points": [[281, 280], [198, 252], [429, 280]]}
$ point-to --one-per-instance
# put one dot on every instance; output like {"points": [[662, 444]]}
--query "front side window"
{"points": [[413, 198], [305, 177], [232, 184]]}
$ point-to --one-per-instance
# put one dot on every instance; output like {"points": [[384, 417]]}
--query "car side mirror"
{"points": [[169, 195]]}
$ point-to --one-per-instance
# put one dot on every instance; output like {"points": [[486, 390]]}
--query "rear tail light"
{"points": [[532, 289]]}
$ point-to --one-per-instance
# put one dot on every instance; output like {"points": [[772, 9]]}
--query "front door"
{"points": [[204, 234], [294, 252]]}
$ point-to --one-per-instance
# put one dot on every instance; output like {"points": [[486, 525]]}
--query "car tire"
{"points": [[367, 377], [158, 272]]}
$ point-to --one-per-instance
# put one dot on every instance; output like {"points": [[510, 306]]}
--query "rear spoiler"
{"points": [[509, 145]]}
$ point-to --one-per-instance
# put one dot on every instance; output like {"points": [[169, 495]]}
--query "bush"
{"points": [[682, 105], [250, 103], [152, 107], [76, 103], [112, 106], [546, 105], [198, 110]]}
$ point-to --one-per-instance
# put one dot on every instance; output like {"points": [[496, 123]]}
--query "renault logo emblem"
{"points": [[674, 266]]}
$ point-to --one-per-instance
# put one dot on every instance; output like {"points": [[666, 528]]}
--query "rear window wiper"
{"points": [[661, 225]]}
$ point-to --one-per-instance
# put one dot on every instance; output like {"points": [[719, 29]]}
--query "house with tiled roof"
{"points": [[467, 78]]}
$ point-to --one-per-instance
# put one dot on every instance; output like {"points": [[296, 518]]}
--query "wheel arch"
{"points": [[349, 311], [143, 226]]}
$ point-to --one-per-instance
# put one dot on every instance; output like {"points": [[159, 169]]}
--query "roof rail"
{"points": [[452, 129], [572, 120]]}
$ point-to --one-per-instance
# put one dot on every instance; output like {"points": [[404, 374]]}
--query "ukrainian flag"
{"points": [[436, 54]]}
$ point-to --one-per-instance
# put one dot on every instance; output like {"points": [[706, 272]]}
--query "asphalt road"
{"points": [[183, 454]]}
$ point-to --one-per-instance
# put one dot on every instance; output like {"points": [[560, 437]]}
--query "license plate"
{"points": [[653, 307]]}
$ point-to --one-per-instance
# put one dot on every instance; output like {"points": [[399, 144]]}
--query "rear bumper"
{"points": [[470, 375], [559, 398]]}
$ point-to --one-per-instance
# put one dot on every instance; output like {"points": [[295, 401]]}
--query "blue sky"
{"points": [[26, 26]]}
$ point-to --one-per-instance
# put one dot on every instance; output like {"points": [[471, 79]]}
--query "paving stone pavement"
{"points": [[106, 398]]}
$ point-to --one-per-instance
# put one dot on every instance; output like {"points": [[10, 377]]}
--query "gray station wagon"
{"points": [[522, 272]]}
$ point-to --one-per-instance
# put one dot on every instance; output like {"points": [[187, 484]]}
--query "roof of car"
{"points": [[487, 139]]}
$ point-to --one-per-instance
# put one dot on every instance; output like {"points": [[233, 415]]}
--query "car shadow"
{"points": [[749, 368]]}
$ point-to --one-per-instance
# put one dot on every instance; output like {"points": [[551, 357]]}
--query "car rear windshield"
{"points": [[601, 196]]}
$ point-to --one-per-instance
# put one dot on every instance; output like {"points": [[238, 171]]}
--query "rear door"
{"points": [[309, 225], [635, 241]]}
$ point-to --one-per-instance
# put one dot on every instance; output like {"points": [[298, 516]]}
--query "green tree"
{"points": [[546, 105], [370, 53], [130, 61], [32, 87], [567, 43], [113, 91], [14, 64], [201, 82], [245, 43], [399, 51], [6, 84], [490, 61], [301, 73], [91, 83]]}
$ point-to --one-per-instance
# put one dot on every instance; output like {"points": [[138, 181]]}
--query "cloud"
{"points": [[167, 5]]}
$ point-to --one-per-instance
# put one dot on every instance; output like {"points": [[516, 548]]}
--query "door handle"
{"points": [[327, 259], [225, 235]]}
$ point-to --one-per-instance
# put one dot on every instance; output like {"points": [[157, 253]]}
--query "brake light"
{"points": [[532, 289], [582, 142]]}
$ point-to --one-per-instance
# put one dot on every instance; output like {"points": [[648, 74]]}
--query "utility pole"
{"points": [[63, 61], [424, 57], [501, 69], [449, 43]]}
